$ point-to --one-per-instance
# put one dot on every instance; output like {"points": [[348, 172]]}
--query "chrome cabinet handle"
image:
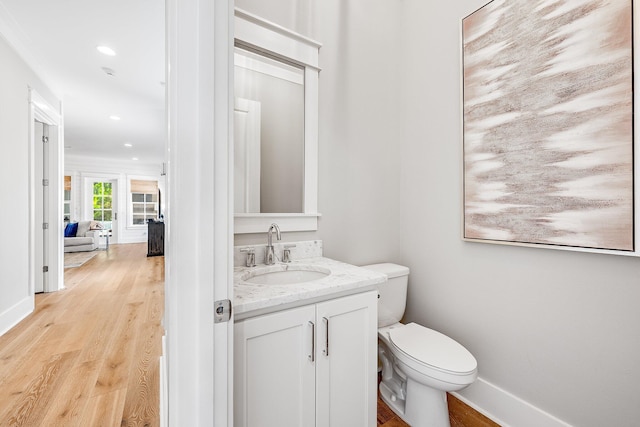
{"points": [[326, 344], [312, 356]]}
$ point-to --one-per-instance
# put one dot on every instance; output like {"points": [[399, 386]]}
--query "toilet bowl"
{"points": [[419, 365]]}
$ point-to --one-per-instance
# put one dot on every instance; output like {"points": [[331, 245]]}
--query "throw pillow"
{"points": [[71, 229], [83, 227]]}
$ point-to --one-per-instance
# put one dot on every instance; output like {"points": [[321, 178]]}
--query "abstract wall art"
{"points": [[548, 123]]}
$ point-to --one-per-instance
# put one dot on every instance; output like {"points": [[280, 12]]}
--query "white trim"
{"points": [[199, 218], [311, 129], [504, 408], [273, 39], [15, 314], [92, 164], [267, 66], [163, 409], [41, 110], [252, 223]]}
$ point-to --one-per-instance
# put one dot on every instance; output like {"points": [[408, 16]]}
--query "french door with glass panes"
{"points": [[103, 202]]}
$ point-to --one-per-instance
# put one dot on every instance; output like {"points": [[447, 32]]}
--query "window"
{"points": [[103, 203], [144, 201], [67, 198]]}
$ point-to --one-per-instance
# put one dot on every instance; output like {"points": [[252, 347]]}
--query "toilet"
{"points": [[419, 365]]}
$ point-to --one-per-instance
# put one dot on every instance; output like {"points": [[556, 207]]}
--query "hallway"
{"points": [[88, 355]]}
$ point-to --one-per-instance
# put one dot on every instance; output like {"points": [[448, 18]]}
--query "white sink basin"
{"points": [[285, 274]]}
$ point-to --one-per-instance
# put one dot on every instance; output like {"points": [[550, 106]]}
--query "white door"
{"points": [[46, 227], [41, 205], [274, 380], [246, 156], [346, 372], [102, 201]]}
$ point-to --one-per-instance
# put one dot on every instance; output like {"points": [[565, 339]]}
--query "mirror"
{"points": [[275, 127], [268, 134]]}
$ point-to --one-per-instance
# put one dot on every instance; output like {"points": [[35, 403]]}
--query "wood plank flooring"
{"points": [[88, 355]]}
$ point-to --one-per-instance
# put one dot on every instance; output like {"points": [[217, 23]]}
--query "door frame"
{"points": [[86, 210], [199, 216], [41, 110]]}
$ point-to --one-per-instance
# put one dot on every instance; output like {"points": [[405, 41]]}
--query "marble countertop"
{"points": [[345, 279]]}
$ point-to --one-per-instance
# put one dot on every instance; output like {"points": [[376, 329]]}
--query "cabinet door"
{"points": [[274, 370], [346, 373]]}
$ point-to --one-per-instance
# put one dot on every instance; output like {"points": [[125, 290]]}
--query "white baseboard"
{"points": [[164, 413], [504, 408], [13, 315]]}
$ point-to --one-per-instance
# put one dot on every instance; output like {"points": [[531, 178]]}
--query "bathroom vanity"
{"points": [[305, 353]]}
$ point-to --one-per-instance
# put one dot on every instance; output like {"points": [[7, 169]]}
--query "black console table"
{"points": [[155, 238]]}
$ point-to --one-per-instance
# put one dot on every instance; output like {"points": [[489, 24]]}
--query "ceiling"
{"points": [[58, 39]]}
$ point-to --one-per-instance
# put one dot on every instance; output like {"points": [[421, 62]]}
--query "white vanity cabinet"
{"points": [[314, 365]]}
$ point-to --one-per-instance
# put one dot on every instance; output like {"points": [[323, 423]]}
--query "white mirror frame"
{"points": [[272, 38]]}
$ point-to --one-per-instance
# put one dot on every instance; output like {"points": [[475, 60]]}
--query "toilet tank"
{"points": [[393, 292]]}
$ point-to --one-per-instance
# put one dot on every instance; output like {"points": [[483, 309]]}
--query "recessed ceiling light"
{"points": [[106, 50], [134, 158], [114, 117], [126, 144]]}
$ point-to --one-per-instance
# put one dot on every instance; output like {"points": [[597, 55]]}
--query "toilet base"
{"points": [[423, 407], [417, 404]]}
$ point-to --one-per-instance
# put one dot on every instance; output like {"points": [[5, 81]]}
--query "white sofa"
{"points": [[85, 240]]}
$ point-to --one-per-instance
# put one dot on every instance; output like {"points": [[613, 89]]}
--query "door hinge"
{"points": [[222, 311], [45, 139], [45, 269], [45, 225], [45, 182]]}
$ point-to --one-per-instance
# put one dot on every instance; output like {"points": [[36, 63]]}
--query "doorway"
{"points": [[46, 224], [103, 200]]}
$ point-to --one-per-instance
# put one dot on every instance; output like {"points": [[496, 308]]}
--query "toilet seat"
{"points": [[433, 354]]}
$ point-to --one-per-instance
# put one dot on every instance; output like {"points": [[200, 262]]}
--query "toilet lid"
{"points": [[432, 348]]}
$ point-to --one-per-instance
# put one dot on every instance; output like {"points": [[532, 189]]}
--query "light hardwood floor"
{"points": [[88, 355]]}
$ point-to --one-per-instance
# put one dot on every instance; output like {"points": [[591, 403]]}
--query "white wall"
{"points": [[83, 169], [15, 79], [560, 330]]}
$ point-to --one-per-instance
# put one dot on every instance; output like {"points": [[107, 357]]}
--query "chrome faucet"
{"points": [[270, 257]]}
